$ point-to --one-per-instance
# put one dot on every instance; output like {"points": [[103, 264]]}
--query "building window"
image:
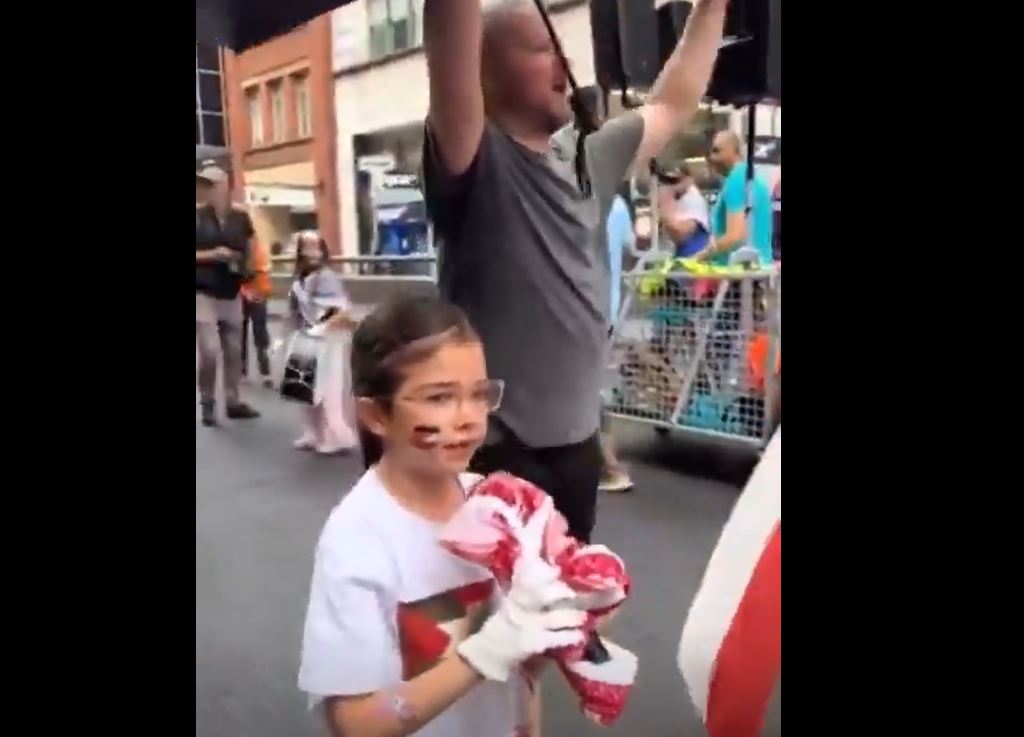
{"points": [[417, 14], [377, 11], [209, 101], [213, 129], [255, 118], [394, 25], [277, 120], [209, 92], [208, 58], [302, 107]]}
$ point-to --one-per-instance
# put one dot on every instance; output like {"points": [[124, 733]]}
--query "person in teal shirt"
{"points": [[729, 222]]}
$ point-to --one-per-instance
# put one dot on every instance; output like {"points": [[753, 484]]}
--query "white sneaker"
{"points": [[307, 442]]}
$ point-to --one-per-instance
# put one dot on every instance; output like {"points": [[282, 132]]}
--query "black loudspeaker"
{"points": [[638, 37], [632, 40], [749, 67], [604, 26], [671, 20]]}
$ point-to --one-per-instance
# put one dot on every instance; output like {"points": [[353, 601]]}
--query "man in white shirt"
{"points": [[683, 212]]}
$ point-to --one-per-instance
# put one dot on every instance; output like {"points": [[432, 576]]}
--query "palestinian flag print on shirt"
{"points": [[431, 628]]}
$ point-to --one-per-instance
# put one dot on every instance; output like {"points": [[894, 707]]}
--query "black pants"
{"points": [[569, 473], [255, 313]]}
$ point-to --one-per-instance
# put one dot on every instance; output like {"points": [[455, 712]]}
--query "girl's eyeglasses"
{"points": [[444, 400]]}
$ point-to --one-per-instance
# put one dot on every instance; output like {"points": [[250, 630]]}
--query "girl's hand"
{"points": [[535, 616], [528, 622]]}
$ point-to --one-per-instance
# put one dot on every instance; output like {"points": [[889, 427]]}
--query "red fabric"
{"points": [[422, 638], [602, 702], [474, 593], [423, 641], [704, 288], [482, 533], [750, 657]]}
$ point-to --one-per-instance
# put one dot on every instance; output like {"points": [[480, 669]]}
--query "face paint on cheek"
{"points": [[425, 437]]}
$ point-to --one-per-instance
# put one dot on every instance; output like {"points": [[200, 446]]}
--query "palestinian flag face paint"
{"points": [[425, 437]]}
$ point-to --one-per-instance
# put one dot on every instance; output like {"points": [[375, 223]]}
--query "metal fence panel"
{"points": [[699, 354]]}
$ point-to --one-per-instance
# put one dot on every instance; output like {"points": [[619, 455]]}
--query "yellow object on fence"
{"points": [[649, 285]]}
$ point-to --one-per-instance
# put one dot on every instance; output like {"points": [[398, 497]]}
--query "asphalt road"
{"points": [[259, 509]]}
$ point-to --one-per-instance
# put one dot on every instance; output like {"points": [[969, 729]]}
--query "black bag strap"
{"points": [[584, 121]]}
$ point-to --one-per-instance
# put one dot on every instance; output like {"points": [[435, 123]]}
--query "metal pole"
{"points": [[655, 213], [751, 130], [431, 250], [772, 380], [747, 285]]}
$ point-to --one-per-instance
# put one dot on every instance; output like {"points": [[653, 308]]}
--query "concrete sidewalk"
{"points": [[277, 309]]}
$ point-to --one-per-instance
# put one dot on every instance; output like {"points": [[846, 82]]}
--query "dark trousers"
{"points": [[569, 473], [255, 313]]}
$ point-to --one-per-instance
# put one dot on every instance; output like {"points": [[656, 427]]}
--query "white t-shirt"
{"points": [[387, 602], [693, 206]]}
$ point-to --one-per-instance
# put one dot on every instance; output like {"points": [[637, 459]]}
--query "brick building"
{"points": [[281, 132]]}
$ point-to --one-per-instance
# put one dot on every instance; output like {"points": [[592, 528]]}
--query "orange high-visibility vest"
{"points": [[259, 285]]}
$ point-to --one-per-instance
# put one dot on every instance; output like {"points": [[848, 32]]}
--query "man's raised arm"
{"points": [[453, 37], [684, 79]]}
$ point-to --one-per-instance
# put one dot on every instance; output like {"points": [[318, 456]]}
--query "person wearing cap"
{"points": [[223, 239], [683, 212]]}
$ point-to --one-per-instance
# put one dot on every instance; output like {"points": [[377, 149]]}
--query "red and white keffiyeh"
{"points": [[730, 652], [487, 531]]}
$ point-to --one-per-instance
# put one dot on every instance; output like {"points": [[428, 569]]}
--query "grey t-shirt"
{"points": [[526, 257]]}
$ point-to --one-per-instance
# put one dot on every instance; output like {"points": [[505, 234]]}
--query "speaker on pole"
{"points": [[604, 28], [638, 34], [671, 19], [749, 66], [634, 38]]}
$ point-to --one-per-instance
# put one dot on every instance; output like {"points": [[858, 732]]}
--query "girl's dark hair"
{"points": [[399, 332], [302, 267]]}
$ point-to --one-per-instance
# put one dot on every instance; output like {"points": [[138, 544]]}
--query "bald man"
{"points": [[523, 246], [730, 227]]}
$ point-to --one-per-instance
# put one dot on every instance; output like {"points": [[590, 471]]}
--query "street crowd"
{"points": [[501, 372]]}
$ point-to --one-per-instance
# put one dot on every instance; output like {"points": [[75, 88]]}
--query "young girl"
{"points": [[402, 637], [320, 306]]}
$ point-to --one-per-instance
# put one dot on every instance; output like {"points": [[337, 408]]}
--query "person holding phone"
{"points": [[223, 237]]}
